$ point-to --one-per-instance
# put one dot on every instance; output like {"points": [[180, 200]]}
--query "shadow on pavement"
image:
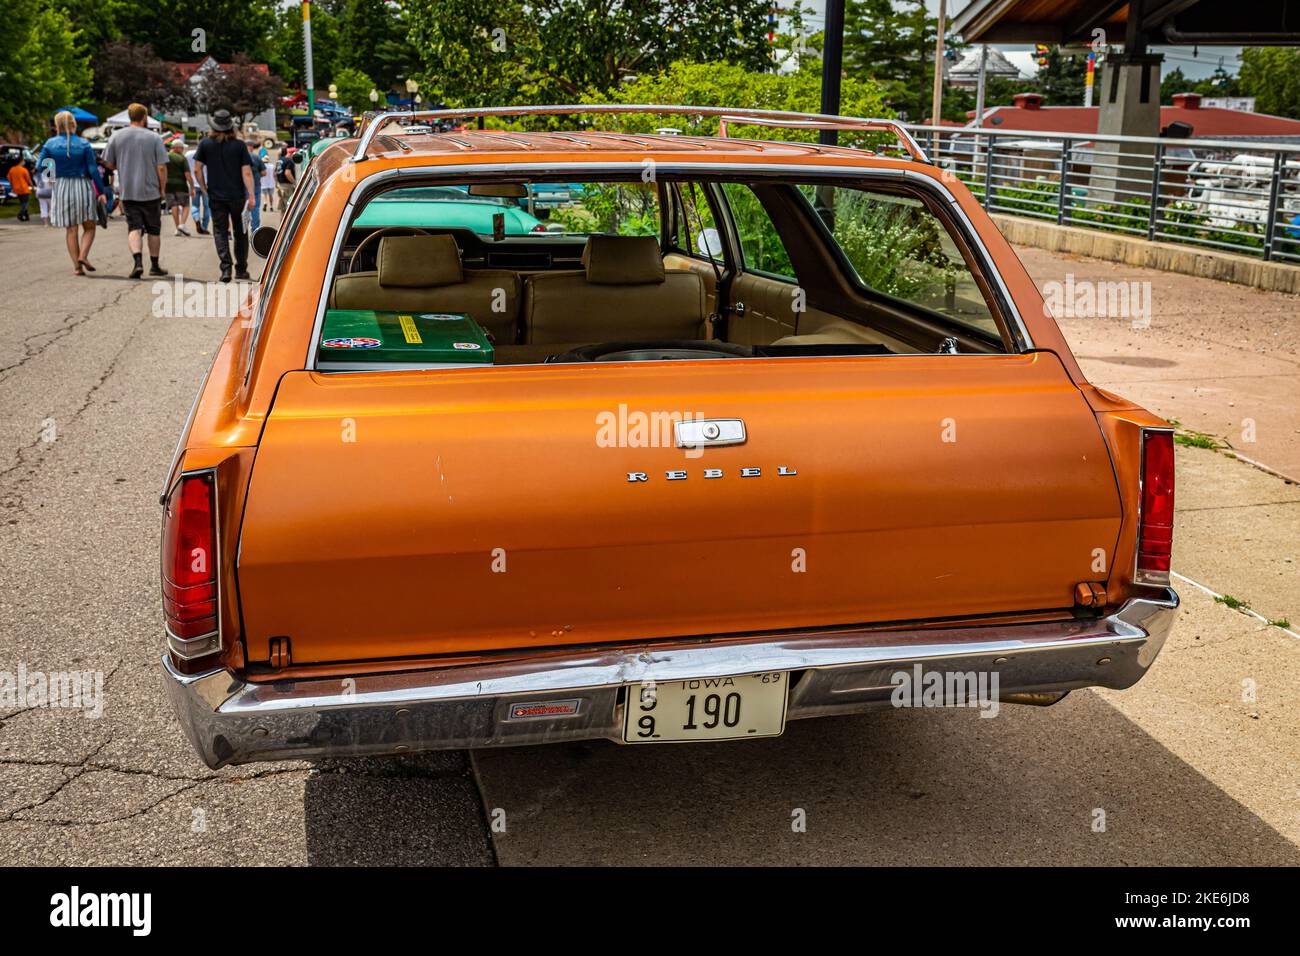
{"points": [[938, 787], [420, 810]]}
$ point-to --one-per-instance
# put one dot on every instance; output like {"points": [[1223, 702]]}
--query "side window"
{"points": [[696, 230], [760, 245], [897, 246]]}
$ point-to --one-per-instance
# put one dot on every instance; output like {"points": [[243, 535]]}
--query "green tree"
{"points": [[96, 23], [1063, 78], [40, 67], [353, 88], [284, 50], [728, 84], [558, 50], [374, 34], [1221, 83], [189, 30], [1272, 76], [893, 44]]}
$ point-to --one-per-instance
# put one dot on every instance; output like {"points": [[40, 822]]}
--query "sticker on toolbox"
{"points": [[443, 316], [409, 331], [465, 345], [358, 342]]}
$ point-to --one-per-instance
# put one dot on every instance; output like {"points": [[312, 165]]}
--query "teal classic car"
{"points": [[447, 207]]}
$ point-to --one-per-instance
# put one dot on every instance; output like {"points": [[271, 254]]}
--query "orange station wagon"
{"points": [[730, 432]]}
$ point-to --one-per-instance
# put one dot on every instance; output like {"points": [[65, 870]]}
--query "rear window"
{"points": [[896, 246]]}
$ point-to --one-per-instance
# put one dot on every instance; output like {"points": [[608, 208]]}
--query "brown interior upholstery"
{"points": [[424, 274], [419, 262], [622, 260], [623, 292]]}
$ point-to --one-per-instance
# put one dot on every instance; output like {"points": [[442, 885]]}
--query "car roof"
{"points": [[472, 147]]}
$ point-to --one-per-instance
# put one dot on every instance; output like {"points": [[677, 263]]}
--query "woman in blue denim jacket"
{"points": [[76, 179]]}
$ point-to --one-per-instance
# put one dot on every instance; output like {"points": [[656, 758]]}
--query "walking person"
{"points": [[179, 186], [285, 175], [20, 183], [268, 183], [76, 177], [198, 198], [136, 153], [223, 171], [45, 190], [258, 165]]}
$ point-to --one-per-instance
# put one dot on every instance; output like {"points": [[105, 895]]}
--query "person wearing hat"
{"points": [[223, 172]]}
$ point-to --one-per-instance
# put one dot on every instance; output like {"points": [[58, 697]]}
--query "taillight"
{"points": [[540, 227], [1156, 520], [189, 567]]}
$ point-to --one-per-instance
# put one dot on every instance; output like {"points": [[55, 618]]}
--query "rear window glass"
{"points": [[896, 246], [556, 209]]}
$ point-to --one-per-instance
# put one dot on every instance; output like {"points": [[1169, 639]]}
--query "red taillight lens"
{"points": [[189, 566], [540, 227], [1156, 528]]}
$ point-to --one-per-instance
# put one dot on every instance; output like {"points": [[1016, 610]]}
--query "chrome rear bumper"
{"points": [[579, 694]]}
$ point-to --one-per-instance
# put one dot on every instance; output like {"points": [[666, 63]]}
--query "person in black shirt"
{"points": [[223, 172]]}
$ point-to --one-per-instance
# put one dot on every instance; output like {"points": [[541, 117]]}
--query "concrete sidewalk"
{"points": [[1217, 357]]}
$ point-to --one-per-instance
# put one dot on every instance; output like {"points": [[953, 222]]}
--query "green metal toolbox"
{"points": [[359, 340]]}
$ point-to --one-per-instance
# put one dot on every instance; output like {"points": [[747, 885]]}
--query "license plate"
{"points": [[707, 708]]}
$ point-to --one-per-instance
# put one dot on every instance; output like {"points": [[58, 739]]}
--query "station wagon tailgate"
{"points": [[397, 514]]}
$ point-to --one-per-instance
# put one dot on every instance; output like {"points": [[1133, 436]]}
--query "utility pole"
{"points": [[832, 65], [936, 102], [979, 88], [306, 56]]}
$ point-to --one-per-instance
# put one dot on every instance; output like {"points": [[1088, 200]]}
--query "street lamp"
{"points": [[374, 96], [412, 88]]}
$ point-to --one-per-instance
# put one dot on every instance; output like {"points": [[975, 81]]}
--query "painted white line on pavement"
{"points": [[1244, 610]]}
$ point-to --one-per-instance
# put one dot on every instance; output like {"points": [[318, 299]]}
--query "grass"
{"points": [[1237, 604], [1281, 622], [1195, 439]]}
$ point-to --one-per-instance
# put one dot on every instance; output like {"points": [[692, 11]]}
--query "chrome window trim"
{"points": [[182, 647], [368, 184], [298, 204]]}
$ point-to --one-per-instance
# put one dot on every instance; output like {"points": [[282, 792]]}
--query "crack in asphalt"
{"points": [[60, 332], [12, 498]]}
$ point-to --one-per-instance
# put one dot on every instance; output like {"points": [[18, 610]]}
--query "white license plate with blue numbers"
{"points": [[706, 708]]}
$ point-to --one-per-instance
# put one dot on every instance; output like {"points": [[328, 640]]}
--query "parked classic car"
{"points": [[759, 435]]}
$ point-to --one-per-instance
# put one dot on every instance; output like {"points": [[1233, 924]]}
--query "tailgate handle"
{"points": [[697, 432]]}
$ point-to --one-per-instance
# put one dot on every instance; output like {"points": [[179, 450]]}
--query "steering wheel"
{"points": [[378, 234]]}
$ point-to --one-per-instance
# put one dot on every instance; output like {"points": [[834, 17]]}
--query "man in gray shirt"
{"points": [[139, 158]]}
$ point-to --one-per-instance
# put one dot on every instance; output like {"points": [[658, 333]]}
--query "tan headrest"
{"points": [[623, 260], [419, 262]]}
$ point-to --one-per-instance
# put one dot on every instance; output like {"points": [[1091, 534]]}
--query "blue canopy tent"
{"points": [[81, 116]]}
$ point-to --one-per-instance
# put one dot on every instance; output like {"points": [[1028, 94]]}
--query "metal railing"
{"points": [[1241, 196]]}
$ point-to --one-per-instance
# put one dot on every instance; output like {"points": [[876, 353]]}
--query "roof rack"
{"points": [[778, 118]]}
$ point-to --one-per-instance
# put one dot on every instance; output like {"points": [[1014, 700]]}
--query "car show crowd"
{"points": [[84, 178]]}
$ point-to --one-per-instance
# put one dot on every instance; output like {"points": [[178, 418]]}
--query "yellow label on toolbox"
{"points": [[409, 330]]}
